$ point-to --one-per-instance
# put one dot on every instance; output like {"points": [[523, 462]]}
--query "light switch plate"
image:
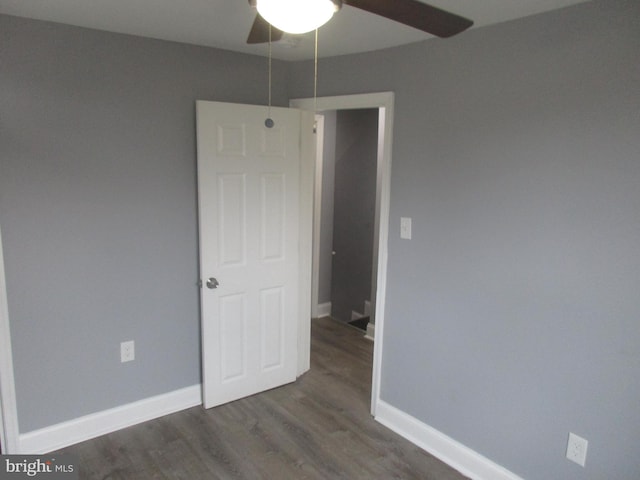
{"points": [[127, 351]]}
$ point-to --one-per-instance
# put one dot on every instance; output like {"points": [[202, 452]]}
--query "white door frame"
{"points": [[8, 409], [307, 159], [317, 211], [384, 101]]}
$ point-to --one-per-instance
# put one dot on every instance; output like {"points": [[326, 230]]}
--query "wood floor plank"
{"points": [[317, 428]]}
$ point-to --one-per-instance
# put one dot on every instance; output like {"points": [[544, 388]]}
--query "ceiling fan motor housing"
{"points": [[337, 3]]}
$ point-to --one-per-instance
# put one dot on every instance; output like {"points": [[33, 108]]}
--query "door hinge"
{"points": [[199, 283]]}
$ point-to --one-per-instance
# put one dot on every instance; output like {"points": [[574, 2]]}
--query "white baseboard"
{"points": [[462, 458], [323, 310], [84, 428], [367, 308], [371, 331]]}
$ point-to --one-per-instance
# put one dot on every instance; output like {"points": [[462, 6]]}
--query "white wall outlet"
{"points": [[577, 449], [127, 351], [405, 228]]}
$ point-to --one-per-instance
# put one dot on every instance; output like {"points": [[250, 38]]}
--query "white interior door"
{"points": [[249, 204]]}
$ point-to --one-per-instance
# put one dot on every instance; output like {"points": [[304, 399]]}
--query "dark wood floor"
{"points": [[316, 428]]}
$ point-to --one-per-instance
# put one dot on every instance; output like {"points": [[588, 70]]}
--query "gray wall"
{"points": [[98, 209], [513, 315], [353, 210], [326, 220]]}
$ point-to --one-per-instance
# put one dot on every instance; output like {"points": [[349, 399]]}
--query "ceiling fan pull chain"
{"points": [[269, 123], [315, 75]]}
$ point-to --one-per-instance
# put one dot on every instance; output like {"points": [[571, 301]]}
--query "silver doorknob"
{"points": [[212, 283]]}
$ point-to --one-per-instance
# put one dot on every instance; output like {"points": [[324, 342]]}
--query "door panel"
{"points": [[232, 333], [231, 215], [272, 324], [274, 194]]}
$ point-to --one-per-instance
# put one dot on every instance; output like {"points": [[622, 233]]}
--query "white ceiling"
{"points": [[226, 23]]}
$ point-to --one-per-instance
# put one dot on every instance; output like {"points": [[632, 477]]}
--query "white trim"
{"points": [[305, 259], [384, 101], [367, 308], [323, 310], [453, 453], [8, 408], [366, 312], [84, 428], [371, 331], [317, 210]]}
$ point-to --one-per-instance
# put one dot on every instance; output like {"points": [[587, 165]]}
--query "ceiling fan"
{"points": [[414, 13]]}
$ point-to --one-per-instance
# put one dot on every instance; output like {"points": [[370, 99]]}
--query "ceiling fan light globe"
{"points": [[297, 16]]}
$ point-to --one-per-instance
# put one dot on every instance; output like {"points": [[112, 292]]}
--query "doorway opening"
{"points": [[383, 102], [344, 218]]}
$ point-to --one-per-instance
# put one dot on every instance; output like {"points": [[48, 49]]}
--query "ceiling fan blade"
{"points": [[260, 32], [415, 14]]}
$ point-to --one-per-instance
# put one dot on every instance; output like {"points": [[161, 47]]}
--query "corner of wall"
{"points": [[456, 455]]}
